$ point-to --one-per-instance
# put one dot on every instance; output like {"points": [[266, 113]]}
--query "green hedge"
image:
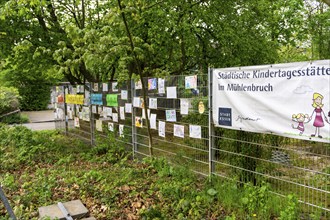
{"points": [[34, 96]]}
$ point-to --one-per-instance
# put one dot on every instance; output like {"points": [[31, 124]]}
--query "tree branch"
{"points": [[326, 2]]}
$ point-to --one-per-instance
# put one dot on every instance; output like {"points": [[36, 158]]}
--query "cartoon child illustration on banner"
{"points": [[320, 116], [301, 119]]}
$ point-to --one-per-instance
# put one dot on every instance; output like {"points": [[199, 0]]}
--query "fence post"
{"points": [[91, 114], [133, 118], [4, 199], [211, 128], [65, 111]]}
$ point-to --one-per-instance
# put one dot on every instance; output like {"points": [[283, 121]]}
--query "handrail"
{"points": [[7, 205], [10, 113]]}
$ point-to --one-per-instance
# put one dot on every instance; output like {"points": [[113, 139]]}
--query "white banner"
{"points": [[291, 99]]}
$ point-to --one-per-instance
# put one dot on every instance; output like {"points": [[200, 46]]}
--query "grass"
{"points": [[43, 168]]}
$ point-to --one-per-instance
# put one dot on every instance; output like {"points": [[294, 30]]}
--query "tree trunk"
{"points": [[138, 67]]}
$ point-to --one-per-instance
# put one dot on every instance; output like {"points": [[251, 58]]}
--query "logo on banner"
{"points": [[225, 117]]}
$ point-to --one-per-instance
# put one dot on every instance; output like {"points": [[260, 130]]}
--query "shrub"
{"points": [[9, 99], [16, 118]]}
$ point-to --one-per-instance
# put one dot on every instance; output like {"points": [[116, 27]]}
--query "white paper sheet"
{"points": [[114, 87], [123, 94], [171, 92], [105, 87], [138, 85], [108, 111], [137, 102], [76, 122], [115, 117], [153, 103], [195, 131], [110, 126], [121, 130], [95, 87], [161, 86], [128, 107], [98, 125], [144, 113], [100, 110], [104, 113], [94, 111], [86, 113], [70, 115], [161, 128], [153, 121], [87, 98], [122, 112], [184, 106]]}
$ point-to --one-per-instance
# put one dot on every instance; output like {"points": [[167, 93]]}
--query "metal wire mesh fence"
{"points": [[175, 109], [112, 117], [182, 130], [59, 105]]}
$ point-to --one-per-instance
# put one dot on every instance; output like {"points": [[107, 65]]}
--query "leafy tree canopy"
{"points": [[81, 40]]}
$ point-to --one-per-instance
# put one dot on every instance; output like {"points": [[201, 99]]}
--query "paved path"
{"points": [[40, 116], [40, 120], [40, 126]]}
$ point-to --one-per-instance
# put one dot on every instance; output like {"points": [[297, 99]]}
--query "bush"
{"points": [[17, 118], [9, 99]]}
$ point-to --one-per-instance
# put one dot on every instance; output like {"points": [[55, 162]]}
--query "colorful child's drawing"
{"points": [[191, 82], [179, 130], [170, 115], [76, 122], [152, 83], [138, 122]]}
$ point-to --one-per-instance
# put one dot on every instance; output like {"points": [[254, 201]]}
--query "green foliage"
{"points": [[318, 21], [291, 211], [17, 118], [113, 186], [9, 99], [43, 42], [35, 96], [23, 147], [255, 199], [34, 89], [110, 149], [169, 37]]}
